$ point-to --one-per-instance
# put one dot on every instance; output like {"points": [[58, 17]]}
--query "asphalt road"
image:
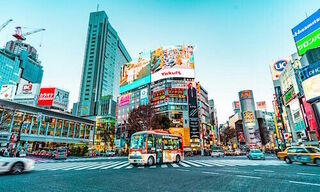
{"points": [[194, 174]]}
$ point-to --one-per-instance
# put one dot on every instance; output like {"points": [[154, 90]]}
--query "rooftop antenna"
{"points": [[306, 14], [97, 7]]}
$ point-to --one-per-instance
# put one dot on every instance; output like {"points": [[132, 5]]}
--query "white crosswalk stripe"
{"points": [[123, 164], [113, 165]]}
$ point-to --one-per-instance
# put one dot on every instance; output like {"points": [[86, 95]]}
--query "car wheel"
{"points": [[150, 161], [317, 161], [287, 160], [17, 168], [177, 158]]}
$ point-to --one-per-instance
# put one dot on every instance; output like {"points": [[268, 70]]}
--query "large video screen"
{"points": [[176, 61], [136, 73]]}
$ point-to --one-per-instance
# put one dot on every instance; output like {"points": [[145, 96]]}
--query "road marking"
{"points": [[261, 170], [183, 170], [216, 164], [88, 166], [246, 176], [196, 165], [201, 163], [103, 165], [309, 174], [129, 167], [174, 165], [71, 165], [152, 167], [211, 173], [164, 166], [183, 164], [304, 183], [123, 165], [141, 167], [113, 165]]}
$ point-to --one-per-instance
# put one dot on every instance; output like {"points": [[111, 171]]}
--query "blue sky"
{"points": [[235, 40]]}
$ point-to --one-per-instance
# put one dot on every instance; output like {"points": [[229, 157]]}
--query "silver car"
{"points": [[15, 165], [217, 153]]}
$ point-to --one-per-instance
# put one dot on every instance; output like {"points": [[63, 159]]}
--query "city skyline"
{"points": [[62, 46]]}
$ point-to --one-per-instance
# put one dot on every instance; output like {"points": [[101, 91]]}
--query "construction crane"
{"points": [[21, 37], [5, 24]]}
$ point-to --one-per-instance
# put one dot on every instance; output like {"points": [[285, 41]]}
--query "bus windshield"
{"points": [[138, 141]]}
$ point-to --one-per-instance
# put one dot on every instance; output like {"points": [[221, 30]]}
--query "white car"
{"points": [[15, 165], [217, 153]]}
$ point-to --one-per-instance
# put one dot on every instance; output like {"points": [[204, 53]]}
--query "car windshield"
{"points": [[138, 141], [313, 149]]}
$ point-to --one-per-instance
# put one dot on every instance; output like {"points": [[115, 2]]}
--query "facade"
{"points": [[41, 128], [250, 123], [104, 56], [214, 122]]}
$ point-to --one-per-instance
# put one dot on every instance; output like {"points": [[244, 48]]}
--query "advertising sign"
{"points": [[306, 35], [310, 76], [7, 92], [144, 96], [177, 61], [193, 111], [248, 118], [61, 99], [261, 105], [277, 67], [124, 100], [46, 97], [27, 91], [135, 74]]}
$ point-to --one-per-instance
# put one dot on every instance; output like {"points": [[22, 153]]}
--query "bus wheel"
{"points": [[150, 161], [178, 159]]}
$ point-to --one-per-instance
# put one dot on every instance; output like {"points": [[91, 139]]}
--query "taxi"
{"points": [[301, 154]]}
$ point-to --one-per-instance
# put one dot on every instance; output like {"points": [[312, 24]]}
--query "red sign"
{"points": [[27, 88], [46, 97]]}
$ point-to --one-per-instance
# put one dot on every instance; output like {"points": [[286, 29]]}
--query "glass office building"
{"points": [[104, 56]]}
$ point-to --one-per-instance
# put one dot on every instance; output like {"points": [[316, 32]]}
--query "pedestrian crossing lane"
{"points": [[113, 165]]}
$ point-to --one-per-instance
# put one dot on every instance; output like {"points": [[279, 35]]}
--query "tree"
{"points": [[145, 118], [227, 134]]}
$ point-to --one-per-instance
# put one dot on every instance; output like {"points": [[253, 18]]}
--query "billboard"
{"points": [[46, 97], [193, 111], [261, 105], [176, 61], [7, 92], [144, 95], [124, 100], [310, 76], [277, 67], [53, 97], [61, 99], [135, 74], [27, 93], [307, 33]]}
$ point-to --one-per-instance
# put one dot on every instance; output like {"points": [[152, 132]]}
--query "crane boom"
{"points": [[5, 24], [32, 32]]}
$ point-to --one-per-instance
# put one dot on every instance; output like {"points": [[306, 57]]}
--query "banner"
{"points": [[193, 111]]}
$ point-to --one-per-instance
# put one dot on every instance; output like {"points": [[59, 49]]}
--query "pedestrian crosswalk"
{"points": [[121, 164]]}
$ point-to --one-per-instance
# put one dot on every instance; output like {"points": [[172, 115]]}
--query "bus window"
{"points": [[151, 144], [165, 143], [138, 141]]}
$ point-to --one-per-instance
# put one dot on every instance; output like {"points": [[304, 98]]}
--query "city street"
{"points": [[193, 174]]}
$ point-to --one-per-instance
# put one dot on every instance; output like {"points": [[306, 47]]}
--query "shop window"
{"points": [[58, 127], [43, 126], [87, 132], [27, 122], [35, 125], [18, 116], [71, 129], [82, 130], [76, 135], [52, 122], [6, 120], [65, 128]]}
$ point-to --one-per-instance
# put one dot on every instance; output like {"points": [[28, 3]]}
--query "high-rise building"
{"points": [[104, 56]]}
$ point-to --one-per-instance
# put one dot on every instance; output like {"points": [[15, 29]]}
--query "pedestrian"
{"points": [[2, 152]]}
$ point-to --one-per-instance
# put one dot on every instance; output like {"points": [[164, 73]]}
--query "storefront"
{"points": [[42, 129]]}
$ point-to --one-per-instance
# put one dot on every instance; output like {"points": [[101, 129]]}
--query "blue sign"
{"points": [[135, 84], [310, 71], [280, 65], [306, 27]]}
